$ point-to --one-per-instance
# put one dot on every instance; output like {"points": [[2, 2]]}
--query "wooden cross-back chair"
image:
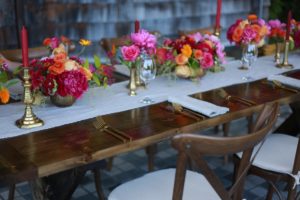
{"points": [[190, 185], [206, 30]]}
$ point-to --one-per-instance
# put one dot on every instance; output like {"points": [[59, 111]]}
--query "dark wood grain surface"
{"points": [[50, 151]]}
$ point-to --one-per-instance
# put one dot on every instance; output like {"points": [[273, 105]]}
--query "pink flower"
{"points": [[72, 83], [130, 53], [54, 42], [275, 23], [168, 42], [207, 61], [196, 36], [144, 39], [248, 35]]}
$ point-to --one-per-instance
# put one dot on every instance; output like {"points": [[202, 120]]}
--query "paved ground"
{"points": [[134, 164]]}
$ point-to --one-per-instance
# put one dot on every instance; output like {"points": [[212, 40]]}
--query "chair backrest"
{"points": [[207, 30], [16, 54], [195, 147]]}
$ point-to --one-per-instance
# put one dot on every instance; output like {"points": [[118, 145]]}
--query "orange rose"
{"points": [[237, 34], [183, 71], [57, 68], [198, 54], [46, 41], [4, 95], [209, 43], [60, 49], [252, 17], [263, 31], [181, 59], [60, 57], [186, 50]]}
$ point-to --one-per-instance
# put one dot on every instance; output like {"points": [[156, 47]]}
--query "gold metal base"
{"points": [[243, 68], [217, 32], [285, 66], [29, 120], [132, 93]]}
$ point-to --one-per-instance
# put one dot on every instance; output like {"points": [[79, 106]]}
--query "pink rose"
{"points": [[54, 43], [130, 53], [144, 39], [207, 61]]}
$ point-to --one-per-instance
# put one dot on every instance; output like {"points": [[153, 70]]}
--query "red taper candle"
{"points": [[136, 26], [288, 26], [24, 37], [218, 15]]}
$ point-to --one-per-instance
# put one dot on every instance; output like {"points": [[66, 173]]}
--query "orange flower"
{"points": [[186, 50], [88, 74], [85, 42], [181, 59], [65, 40], [252, 17], [57, 68], [60, 57], [237, 34], [47, 41], [4, 95], [198, 54]]}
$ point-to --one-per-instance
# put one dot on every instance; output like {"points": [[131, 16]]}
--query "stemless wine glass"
{"points": [[147, 71], [250, 52]]}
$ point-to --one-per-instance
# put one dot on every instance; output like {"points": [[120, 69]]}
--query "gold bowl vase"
{"points": [[61, 101]]}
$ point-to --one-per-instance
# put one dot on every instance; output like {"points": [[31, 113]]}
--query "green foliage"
{"points": [[97, 62], [279, 9]]}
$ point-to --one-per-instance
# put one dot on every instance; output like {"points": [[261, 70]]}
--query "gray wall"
{"points": [[94, 19]]}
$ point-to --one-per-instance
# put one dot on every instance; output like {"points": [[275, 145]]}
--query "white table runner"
{"points": [[115, 98]]}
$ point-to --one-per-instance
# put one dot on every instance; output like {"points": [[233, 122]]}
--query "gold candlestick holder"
{"points": [[138, 81], [29, 120], [285, 64], [132, 81], [277, 53], [217, 32]]}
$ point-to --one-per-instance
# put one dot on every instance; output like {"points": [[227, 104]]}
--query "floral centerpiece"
{"points": [[140, 48], [61, 76], [296, 33], [194, 54], [250, 31], [277, 30], [4, 92]]}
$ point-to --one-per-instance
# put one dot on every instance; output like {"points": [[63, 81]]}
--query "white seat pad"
{"points": [[277, 153], [159, 185]]}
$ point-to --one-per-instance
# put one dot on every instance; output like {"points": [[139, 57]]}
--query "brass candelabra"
{"points": [[285, 64], [29, 120]]}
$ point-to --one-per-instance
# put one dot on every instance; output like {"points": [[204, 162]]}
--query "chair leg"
{"points": [[250, 123], [98, 185], [151, 151], [226, 128], [291, 190], [11, 194], [216, 129], [270, 192]]}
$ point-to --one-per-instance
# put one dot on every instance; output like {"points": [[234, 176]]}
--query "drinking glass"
{"points": [[147, 71], [249, 56]]}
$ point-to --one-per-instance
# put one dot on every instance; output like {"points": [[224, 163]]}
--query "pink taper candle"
{"points": [[288, 26], [136, 26], [24, 37], [218, 15]]}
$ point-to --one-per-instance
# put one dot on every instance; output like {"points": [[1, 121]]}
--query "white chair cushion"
{"points": [[159, 185], [277, 153]]}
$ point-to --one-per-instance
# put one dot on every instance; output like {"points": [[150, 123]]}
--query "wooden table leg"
{"points": [[226, 128], [151, 151]]}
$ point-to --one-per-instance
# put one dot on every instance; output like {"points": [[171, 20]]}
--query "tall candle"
{"points": [[288, 26], [136, 26], [24, 37], [218, 15]]}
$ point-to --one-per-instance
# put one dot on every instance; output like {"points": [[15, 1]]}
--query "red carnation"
{"points": [[72, 83]]}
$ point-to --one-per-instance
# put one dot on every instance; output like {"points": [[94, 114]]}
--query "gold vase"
{"points": [[277, 52], [132, 81], [61, 101]]}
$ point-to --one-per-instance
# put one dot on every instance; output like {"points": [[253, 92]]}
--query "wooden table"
{"points": [[50, 151]]}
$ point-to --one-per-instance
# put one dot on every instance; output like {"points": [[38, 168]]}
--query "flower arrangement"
{"points": [[296, 33], [5, 83], [139, 44], [193, 54], [277, 30], [62, 75], [249, 31]]}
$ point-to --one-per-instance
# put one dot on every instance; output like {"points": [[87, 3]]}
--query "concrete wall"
{"points": [[94, 19]]}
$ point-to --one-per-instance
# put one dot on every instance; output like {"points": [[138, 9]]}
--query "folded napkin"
{"points": [[197, 105], [285, 80]]}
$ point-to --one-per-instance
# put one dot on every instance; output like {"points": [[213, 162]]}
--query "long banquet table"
{"points": [[70, 137]]}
